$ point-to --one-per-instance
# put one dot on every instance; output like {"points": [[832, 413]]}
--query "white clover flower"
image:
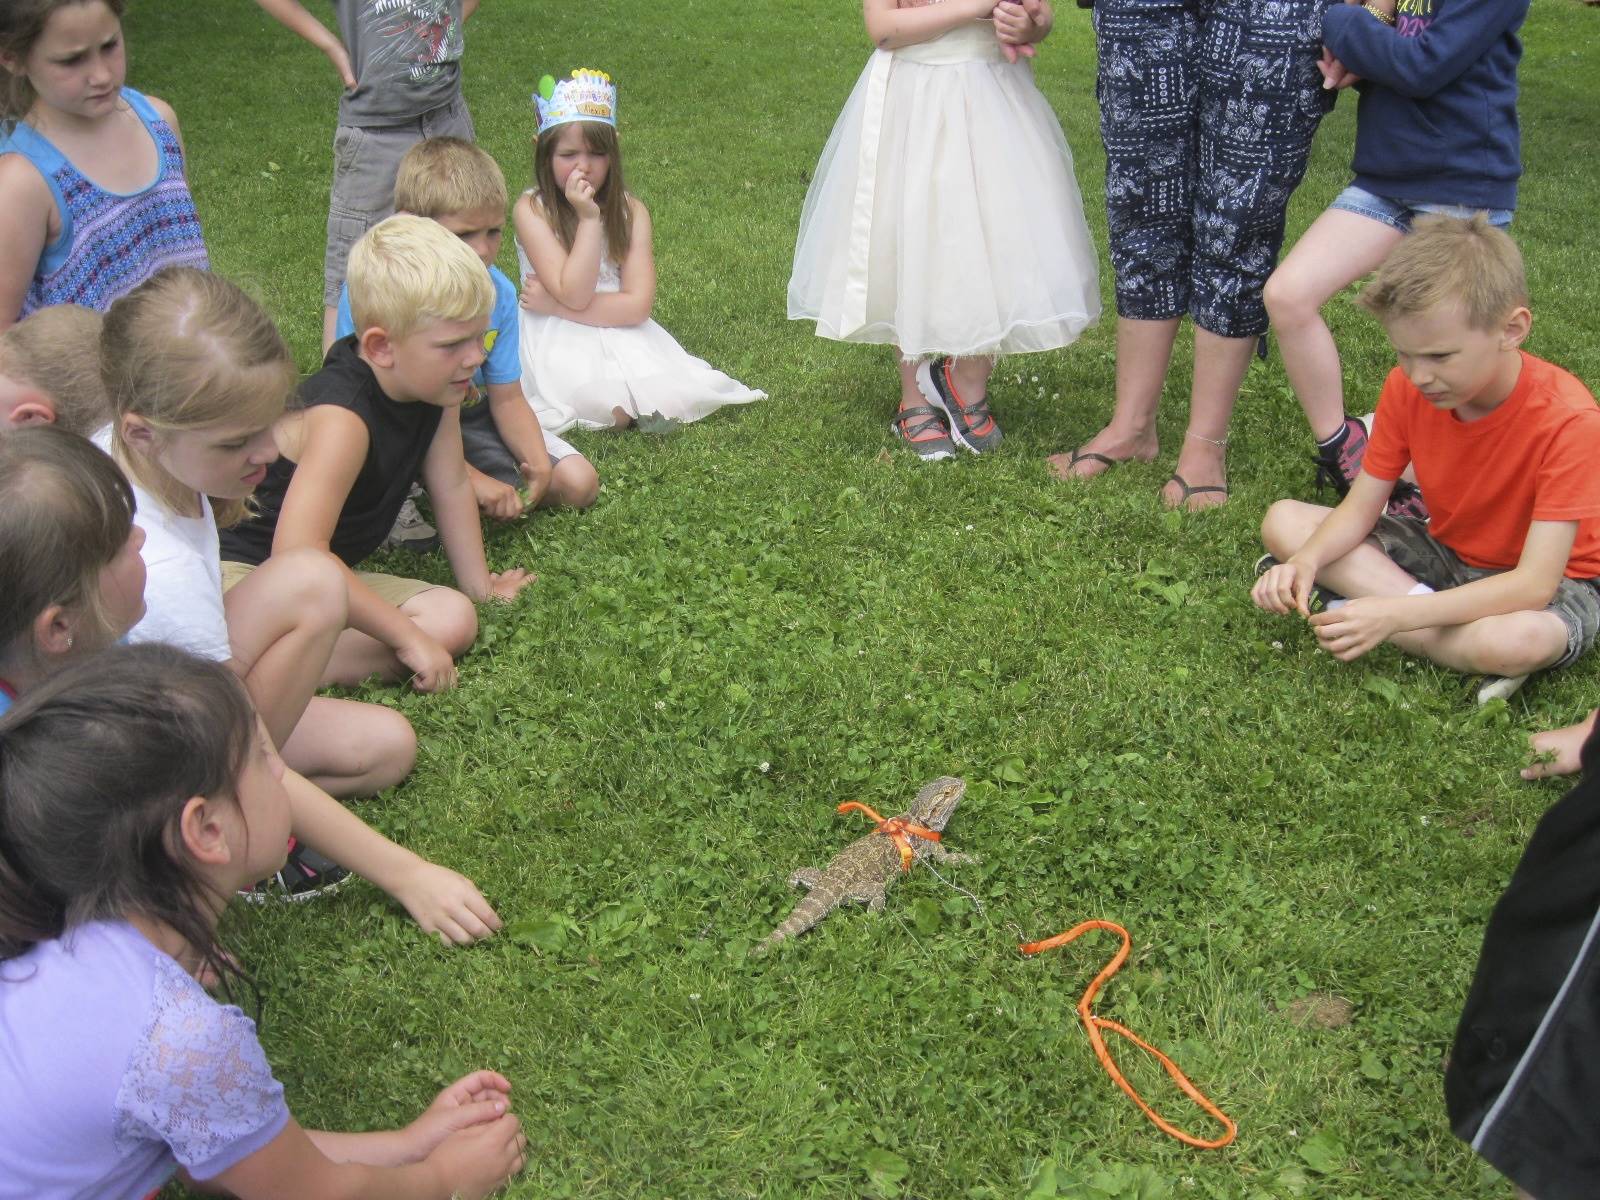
{"points": [[764, 767], [660, 704]]}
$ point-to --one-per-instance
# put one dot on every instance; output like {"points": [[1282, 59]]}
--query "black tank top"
{"points": [[398, 439]]}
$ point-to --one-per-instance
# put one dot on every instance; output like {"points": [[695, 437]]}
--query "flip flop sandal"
{"points": [[1189, 491], [1074, 457], [923, 429]]}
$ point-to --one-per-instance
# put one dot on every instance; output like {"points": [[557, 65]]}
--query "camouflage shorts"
{"points": [[1427, 560]]}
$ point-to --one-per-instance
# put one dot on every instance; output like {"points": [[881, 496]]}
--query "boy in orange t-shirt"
{"points": [[1503, 582]]}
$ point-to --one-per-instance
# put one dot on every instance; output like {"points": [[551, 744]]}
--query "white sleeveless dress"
{"points": [[575, 375], [944, 217]]}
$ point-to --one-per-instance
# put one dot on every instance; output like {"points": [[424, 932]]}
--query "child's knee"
{"points": [[575, 482], [447, 616], [392, 744], [1522, 643], [1287, 525]]}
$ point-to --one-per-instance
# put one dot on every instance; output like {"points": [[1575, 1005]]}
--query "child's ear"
{"points": [[34, 408], [52, 631], [136, 432], [1516, 328], [377, 347], [202, 832]]}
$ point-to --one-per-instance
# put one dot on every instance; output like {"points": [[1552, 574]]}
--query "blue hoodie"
{"points": [[1437, 121]]}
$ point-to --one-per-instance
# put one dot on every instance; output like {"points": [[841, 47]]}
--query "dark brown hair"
{"points": [[65, 513], [21, 24], [96, 765], [615, 216]]}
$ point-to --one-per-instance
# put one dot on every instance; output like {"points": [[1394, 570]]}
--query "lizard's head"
{"points": [[936, 801]]}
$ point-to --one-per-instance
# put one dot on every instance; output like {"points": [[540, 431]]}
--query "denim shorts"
{"points": [[1398, 214], [1422, 556]]}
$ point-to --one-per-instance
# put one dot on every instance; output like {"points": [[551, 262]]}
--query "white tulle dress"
{"points": [[944, 217], [575, 375]]}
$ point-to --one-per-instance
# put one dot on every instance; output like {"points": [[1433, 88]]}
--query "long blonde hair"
{"points": [[615, 216], [187, 350]]}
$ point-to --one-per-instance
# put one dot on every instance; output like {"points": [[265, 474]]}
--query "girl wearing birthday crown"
{"points": [[591, 355], [943, 217]]}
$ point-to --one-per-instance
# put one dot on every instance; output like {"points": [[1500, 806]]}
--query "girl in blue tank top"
{"points": [[93, 198]]}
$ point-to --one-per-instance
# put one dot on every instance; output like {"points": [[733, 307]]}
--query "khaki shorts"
{"points": [[1428, 560], [392, 589]]}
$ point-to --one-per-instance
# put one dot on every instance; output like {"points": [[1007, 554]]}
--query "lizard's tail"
{"points": [[806, 914]]}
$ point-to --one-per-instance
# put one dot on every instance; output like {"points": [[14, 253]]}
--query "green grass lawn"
{"points": [[765, 615]]}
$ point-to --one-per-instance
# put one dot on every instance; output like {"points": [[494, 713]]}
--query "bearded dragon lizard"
{"points": [[863, 870]]}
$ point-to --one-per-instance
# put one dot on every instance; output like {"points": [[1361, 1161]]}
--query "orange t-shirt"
{"points": [[1534, 458]]}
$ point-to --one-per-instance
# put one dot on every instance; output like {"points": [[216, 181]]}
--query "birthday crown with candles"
{"points": [[584, 95]]}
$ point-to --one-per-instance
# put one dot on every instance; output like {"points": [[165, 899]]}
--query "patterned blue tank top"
{"points": [[110, 242]]}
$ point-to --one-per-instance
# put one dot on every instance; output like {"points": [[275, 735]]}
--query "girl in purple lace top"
{"points": [[138, 792]]}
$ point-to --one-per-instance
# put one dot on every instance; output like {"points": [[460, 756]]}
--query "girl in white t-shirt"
{"points": [[138, 792], [75, 584], [197, 374]]}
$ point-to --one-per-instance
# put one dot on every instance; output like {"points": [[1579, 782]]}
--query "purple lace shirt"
{"points": [[116, 1067]]}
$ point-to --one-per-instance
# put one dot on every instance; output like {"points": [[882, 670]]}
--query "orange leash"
{"points": [[897, 829], [1093, 1025]]}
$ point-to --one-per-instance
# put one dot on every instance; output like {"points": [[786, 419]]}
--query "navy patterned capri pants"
{"points": [[1207, 110]]}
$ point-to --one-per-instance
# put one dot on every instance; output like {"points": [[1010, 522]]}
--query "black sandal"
{"points": [[1188, 491]]}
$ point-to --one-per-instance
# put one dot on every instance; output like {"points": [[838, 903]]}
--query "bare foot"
{"points": [[1558, 750], [1115, 446]]}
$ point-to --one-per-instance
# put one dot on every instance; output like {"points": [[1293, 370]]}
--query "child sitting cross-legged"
{"points": [[1502, 582], [385, 408], [459, 185], [138, 793]]}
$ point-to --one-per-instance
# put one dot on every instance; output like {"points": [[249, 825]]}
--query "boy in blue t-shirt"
{"points": [[1436, 132], [457, 183]]}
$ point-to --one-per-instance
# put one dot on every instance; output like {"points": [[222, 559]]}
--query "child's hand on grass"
{"points": [[504, 585], [1356, 627], [496, 499], [474, 1099], [1285, 588], [432, 668], [447, 903]]}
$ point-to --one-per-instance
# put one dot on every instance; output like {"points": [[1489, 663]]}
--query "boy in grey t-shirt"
{"points": [[400, 61]]}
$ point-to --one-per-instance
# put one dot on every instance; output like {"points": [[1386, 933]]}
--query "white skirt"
{"points": [[576, 375], [943, 217]]}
